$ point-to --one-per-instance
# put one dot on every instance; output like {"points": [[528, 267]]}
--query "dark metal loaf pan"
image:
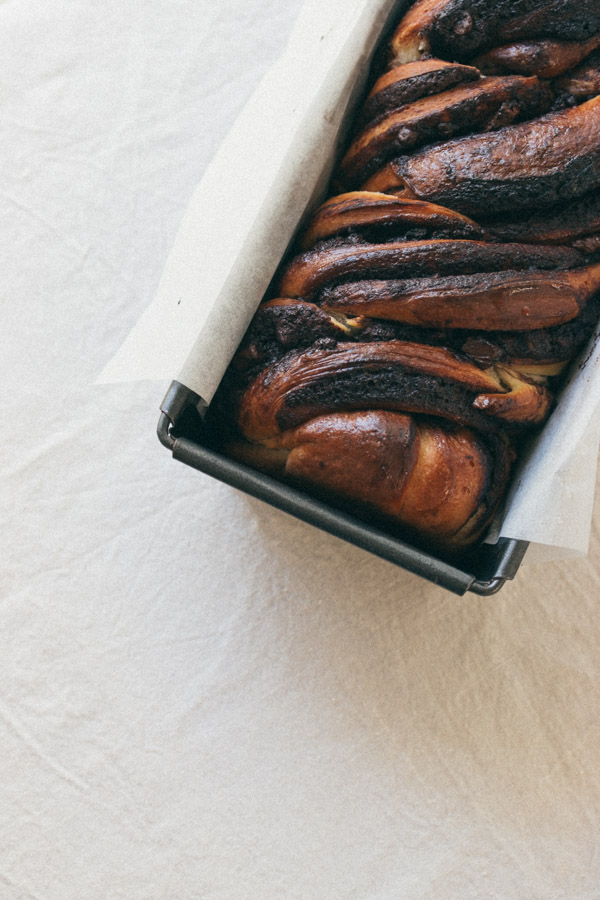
{"points": [[183, 431]]}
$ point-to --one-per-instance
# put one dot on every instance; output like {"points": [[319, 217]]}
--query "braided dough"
{"points": [[417, 331]]}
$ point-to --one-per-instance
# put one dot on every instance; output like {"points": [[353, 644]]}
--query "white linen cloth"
{"points": [[201, 697]]}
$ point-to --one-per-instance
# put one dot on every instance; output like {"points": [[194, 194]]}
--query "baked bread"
{"points": [[416, 333]]}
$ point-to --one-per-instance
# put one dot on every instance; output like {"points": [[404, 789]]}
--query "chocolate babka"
{"points": [[418, 330]]}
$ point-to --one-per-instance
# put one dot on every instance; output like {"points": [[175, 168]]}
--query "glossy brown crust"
{"points": [[495, 301], [544, 58], [487, 104], [362, 212], [459, 29], [584, 81], [559, 225], [444, 483], [369, 456], [535, 164], [310, 272], [561, 19], [392, 375], [406, 84]]}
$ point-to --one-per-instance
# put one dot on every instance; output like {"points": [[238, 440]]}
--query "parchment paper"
{"points": [[272, 167], [551, 499]]}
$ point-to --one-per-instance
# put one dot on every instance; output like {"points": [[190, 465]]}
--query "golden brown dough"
{"points": [[459, 29], [405, 84], [390, 375], [310, 272], [546, 59], [444, 483], [482, 106], [368, 212], [534, 164], [492, 301]]}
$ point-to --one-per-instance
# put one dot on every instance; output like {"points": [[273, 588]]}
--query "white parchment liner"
{"points": [[272, 167]]}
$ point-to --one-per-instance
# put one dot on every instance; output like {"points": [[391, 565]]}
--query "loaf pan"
{"points": [[182, 429]]}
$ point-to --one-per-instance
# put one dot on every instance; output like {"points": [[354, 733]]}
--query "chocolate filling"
{"points": [[488, 104], [536, 164], [391, 389], [310, 272], [458, 29], [410, 83]]}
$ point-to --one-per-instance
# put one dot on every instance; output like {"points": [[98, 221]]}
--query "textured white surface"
{"points": [[201, 698]]}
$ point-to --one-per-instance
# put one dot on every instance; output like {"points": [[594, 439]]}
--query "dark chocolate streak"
{"points": [[559, 342], [276, 330], [410, 89], [309, 273], [375, 233], [560, 224], [536, 164], [569, 20], [465, 27], [393, 390], [474, 196], [483, 106]]}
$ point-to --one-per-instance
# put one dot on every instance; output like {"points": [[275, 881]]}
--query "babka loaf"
{"points": [[418, 330]]}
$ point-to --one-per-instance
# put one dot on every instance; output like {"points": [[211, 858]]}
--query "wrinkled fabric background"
{"points": [[201, 697]]}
